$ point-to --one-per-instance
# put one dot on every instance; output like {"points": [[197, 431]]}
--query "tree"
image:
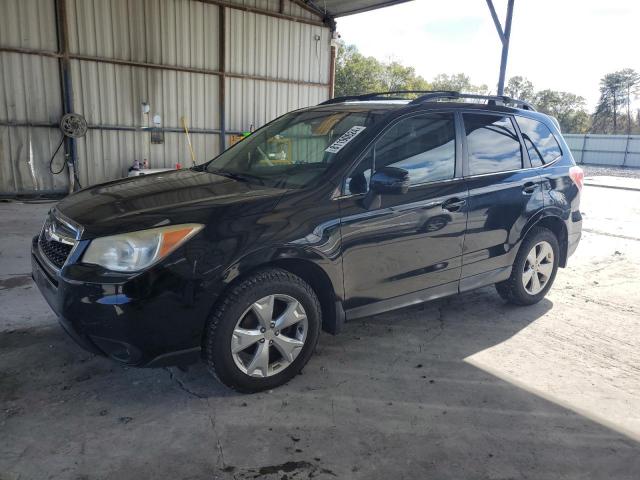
{"points": [[631, 84], [357, 74], [458, 82], [568, 108], [577, 122], [396, 76], [612, 99], [520, 88]]}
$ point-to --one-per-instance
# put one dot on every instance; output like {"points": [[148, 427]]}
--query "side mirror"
{"points": [[390, 180]]}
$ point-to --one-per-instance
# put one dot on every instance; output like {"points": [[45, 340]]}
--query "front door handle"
{"points": [[454, 204], [529, 188]]}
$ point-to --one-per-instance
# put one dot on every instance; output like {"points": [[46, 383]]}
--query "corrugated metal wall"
{"points": [[163, 52], [615, 150], [253, 47], [161, 32], [29, 96]]}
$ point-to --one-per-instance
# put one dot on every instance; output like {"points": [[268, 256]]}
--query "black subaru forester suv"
{"points": [[354, 207]]}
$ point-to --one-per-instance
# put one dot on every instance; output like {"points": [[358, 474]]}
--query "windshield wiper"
{"points": [[242, 177]]}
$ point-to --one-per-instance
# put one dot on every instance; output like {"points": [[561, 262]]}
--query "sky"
{"points": [[558, 44]]}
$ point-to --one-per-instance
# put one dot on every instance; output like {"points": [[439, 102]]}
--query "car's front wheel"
{"points": [[534, 269], [263, 331]]}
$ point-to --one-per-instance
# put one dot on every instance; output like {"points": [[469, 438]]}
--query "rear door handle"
{"points": [[529, 188], [454, 204]]}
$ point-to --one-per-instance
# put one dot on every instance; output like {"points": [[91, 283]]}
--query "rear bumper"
{"points": [[152, 319], [574, 232], [573, 241]]}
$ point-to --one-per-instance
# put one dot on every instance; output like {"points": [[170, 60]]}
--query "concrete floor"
{"points": [[462, 388]]}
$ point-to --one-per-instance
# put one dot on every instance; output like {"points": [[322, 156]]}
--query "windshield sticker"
{"points": [[346, 137]]}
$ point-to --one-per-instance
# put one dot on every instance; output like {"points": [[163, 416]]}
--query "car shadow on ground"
{"points": [[390, 397]]}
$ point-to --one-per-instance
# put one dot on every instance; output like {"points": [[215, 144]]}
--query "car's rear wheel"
{"points": [[263, 331], [534, 269]]}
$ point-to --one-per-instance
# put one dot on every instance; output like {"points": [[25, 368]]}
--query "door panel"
{"points": [[504, 192], [499, 208], [409, 244], [404, 244]]}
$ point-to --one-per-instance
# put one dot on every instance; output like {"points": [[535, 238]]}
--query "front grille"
{"points": [[57, 239], [56, 252]]}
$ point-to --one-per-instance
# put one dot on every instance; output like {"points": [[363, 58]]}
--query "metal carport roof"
{"points": [[341, 8]]}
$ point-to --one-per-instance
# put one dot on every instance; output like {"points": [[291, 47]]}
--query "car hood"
{"points": [[182, 196]]}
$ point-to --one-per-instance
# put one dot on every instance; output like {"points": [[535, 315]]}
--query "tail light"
{"points": [[577, 175]]}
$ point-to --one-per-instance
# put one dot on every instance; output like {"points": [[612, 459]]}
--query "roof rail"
{"points": [[491, 99], [431, 95], [379, 95]]}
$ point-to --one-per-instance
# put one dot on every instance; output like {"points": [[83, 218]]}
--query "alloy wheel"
{"points": [[538, 268], [269, 335]]}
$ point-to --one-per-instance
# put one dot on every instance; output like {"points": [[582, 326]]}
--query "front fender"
{"points": [[282, 254]]}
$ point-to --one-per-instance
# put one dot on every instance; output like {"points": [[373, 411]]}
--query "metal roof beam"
{"points": [[342, 8]]}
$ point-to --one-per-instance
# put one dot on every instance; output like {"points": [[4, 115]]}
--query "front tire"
{"points": [[534, 269], [263, 331]]}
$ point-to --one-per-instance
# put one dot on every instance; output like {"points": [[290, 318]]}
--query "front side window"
{"points": [[492, 144], [295, 149], [542, 146], [423, 145]]}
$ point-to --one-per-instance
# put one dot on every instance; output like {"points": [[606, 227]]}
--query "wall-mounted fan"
{"points": [[72, 125]]}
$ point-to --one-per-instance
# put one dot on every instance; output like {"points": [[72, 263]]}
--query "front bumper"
{"points": [[154, 318]]}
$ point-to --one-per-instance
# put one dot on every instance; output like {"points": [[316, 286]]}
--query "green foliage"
{"points": [[357, 74], [616, 92], [521, 88], [568, 108], [611, 99], [396, 76], [458, 82]]}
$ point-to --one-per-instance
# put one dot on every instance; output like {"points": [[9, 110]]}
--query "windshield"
{"points": [[294, 150]]}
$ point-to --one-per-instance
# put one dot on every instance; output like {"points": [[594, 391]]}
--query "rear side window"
{"points": [[492, 144], [423, 145], [541, 144]]}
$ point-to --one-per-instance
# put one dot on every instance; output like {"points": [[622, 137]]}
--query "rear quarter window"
{"points": [[541, 144]]}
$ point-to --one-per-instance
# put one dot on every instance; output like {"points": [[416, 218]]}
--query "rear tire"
{"points": [[263, 331], [534, 269]]}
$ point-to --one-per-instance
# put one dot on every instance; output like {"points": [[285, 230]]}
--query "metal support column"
{"points": [[505, 35], [584, 148], [66, 87], [626, 150], [222, 62], [332, 65]]}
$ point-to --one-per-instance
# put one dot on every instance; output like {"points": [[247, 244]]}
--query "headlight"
{"points": [[134, 251]]}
